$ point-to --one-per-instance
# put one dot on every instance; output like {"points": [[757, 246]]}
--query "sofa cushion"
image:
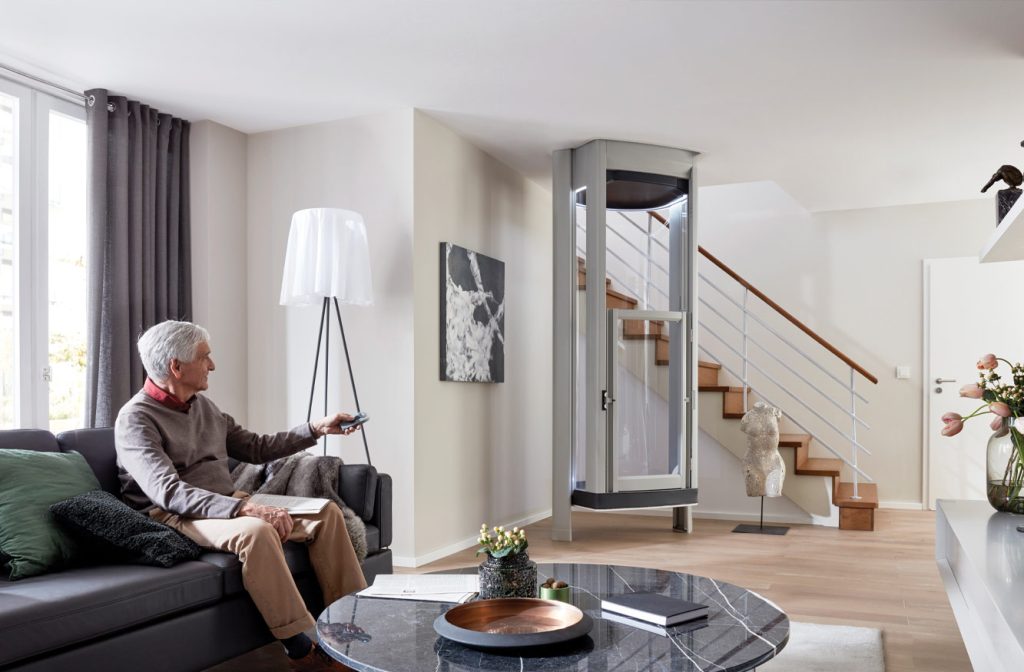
{"points": [[357, 485], [97, 447], [30, 481], [44, 613], [295, 554], [29, 439], [112, 531], [372, 539]]}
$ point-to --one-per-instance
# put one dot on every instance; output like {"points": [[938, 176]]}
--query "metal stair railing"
{"points": [[653, 254]]}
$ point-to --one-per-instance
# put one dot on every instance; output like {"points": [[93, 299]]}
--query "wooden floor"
{"points": [[885, 579]]}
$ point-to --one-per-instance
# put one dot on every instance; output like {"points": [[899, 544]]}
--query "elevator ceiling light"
{"points": [[632, 190]]}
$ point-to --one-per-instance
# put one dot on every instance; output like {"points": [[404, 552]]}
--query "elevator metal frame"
{"points": [[586, 168]]}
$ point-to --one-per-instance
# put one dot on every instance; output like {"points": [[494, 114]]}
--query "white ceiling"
{"points": [[843, 104]]}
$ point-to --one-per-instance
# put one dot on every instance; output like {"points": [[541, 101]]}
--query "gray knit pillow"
{"points": [[115, 532]]}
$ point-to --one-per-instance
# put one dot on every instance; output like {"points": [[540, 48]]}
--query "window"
{"points": [[42, 260]]}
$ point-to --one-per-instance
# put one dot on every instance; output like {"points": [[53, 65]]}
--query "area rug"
{"points": [[829, 648]]}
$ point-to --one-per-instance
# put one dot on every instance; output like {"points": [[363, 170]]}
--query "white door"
{"points": [[969, 311]]}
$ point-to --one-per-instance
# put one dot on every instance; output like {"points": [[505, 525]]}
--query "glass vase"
{"points": [[511, 576], [1005, 467]]}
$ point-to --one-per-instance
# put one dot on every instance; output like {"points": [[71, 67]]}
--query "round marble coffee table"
{"points": [[743, 630]]}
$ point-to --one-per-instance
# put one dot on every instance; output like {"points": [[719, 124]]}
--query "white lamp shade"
{"points": [[328, 256]]}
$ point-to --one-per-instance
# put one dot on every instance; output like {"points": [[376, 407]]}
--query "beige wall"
{"points": [[855, 277], [218, 193], [458, 453], [362, 164], [483, 451]]}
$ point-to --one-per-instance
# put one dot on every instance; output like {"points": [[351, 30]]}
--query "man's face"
{"points": [[195, 374]]}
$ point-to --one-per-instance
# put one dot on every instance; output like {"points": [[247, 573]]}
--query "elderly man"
{"points": [[173, 446]]}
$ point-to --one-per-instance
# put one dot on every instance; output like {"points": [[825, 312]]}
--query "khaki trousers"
{"points": [[265, 573]]}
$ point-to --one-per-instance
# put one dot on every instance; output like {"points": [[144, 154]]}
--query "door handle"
{"points": [[940, 381]]}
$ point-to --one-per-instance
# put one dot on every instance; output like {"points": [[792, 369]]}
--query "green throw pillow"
{"points": [[30, 481]]}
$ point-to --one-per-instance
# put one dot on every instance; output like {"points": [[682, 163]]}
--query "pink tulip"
{"points": [[972, 391], [999, 408], [1018, 424], [988, 362], [953, 424], [999, 426]]}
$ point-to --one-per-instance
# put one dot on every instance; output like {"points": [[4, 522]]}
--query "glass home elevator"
{"points": [[625, 378]]}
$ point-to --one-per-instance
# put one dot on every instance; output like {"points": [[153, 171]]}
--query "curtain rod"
{"points": [[75, 96]]}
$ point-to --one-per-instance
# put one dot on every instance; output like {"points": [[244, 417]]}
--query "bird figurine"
{"points": [[1009, 174]]}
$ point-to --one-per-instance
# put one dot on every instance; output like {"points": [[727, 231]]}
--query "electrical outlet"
{"points": [[903, 372]]}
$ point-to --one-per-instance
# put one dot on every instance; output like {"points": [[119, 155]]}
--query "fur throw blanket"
{"points": [[302, 475]]}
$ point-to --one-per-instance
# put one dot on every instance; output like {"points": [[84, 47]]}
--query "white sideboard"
{"points": [[980, 555]]}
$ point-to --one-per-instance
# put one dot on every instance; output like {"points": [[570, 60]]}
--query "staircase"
{"points": [[825, 492], [854, 514]]}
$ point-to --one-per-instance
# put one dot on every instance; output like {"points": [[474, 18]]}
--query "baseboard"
{"points": [[468, 542], [899, 504]]}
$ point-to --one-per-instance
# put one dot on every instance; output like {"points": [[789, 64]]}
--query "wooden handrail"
{"points": [[777, 308]]}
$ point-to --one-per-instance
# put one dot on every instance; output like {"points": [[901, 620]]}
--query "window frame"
{"points": [[31, 248]]}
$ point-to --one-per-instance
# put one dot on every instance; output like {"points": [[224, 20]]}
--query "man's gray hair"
{"points": [[169, 340]]}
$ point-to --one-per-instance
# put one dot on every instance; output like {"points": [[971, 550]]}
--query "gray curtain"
{"points": [[139, 249]]}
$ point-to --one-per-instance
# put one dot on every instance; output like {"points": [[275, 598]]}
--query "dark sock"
{"points": [[297, 646]]}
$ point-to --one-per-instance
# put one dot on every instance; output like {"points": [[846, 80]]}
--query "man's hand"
{"points": [[277, 517], [329, 425]]}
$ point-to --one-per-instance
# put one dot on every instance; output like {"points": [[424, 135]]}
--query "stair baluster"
{"points": [[856, 501]]}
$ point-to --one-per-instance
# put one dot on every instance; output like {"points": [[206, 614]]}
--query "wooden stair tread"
{"points": [[619, 295], [732, 403], [868, 496], [820, 466], [793, 440], [712, 388], [709, 365]]}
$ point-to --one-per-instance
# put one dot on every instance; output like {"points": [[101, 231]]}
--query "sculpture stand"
{"points": [[1005, 198], [777, 530]]}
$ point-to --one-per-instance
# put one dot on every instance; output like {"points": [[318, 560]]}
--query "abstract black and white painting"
{"points": [[472, 316]]}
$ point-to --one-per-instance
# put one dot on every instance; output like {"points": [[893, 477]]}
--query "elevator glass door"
{"points": [[645, 443]]}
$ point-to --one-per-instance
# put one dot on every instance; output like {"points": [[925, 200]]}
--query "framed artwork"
{"points": [[472, 316]]}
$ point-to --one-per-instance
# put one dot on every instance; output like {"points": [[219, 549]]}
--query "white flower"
{"points": [[1018, 424]]}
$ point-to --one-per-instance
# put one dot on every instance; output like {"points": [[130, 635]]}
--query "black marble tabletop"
{"points": [[743, 630]]}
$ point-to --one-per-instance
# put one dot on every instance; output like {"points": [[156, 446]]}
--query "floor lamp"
{"points": [[328, 262]]}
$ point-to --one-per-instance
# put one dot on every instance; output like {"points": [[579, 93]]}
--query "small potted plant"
{"points": [[507, 571]]}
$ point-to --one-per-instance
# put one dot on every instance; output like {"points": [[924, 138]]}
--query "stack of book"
{"points": [[653, 612]]}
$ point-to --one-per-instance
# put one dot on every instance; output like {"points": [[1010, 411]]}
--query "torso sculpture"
{"points": [[763, 467]]}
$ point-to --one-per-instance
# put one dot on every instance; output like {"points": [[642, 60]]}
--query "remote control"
{"points": [[359, 419]]}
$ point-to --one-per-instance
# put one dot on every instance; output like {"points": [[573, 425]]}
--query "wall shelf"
{"points": [[1007, 242]]}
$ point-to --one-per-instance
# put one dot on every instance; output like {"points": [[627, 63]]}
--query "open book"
{"points": [[425, 587], [295, 505]]}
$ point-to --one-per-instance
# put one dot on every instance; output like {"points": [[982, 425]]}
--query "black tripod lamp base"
{"points": [[775, 530]]}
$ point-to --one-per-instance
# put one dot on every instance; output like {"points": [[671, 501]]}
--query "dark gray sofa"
{"points": [[134, 617]]}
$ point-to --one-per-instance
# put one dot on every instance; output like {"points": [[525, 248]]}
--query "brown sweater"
{"points": [[178, 461]]}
